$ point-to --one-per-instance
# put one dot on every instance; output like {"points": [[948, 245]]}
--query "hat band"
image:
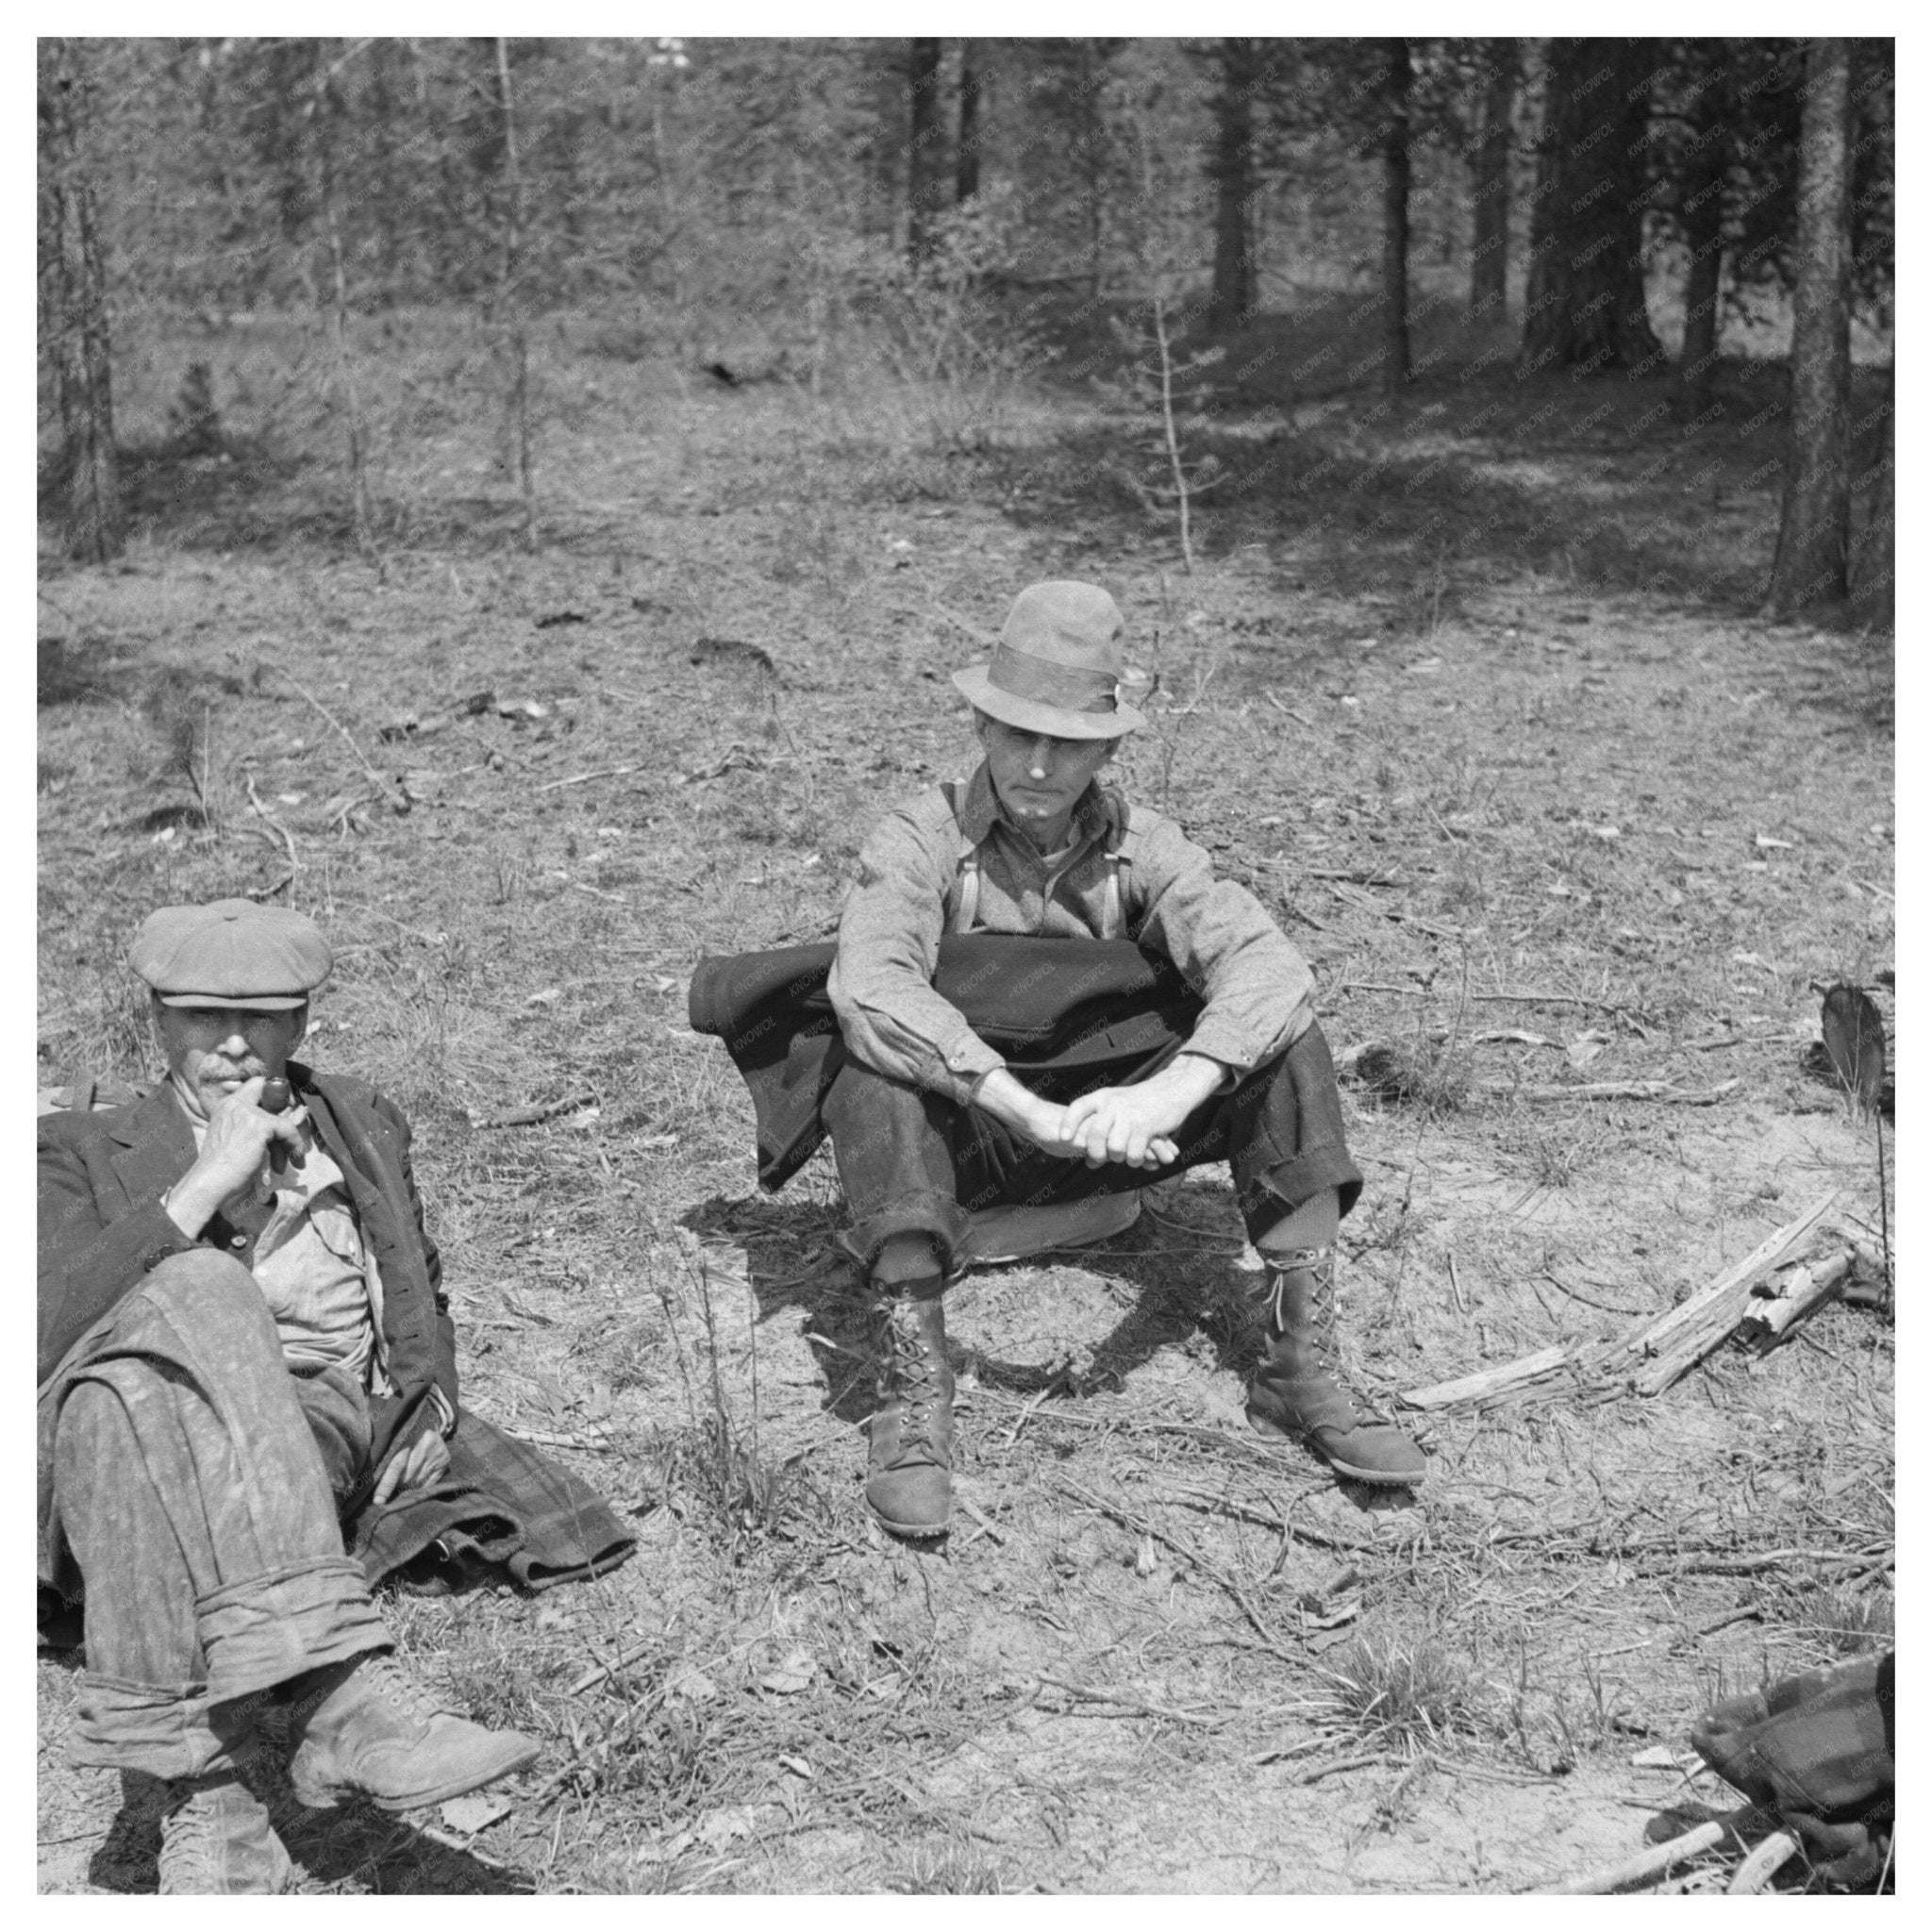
{"points": [[1066, 687]]}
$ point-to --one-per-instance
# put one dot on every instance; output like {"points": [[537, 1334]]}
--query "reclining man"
{"points": [[242, 1339], [928, 1122]]}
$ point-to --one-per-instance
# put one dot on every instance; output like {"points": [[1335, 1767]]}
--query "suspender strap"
{"points": [[1120, 852], [966, 883]]}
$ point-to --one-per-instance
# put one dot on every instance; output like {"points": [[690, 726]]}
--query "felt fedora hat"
{"points": [[1058, 666], [234, 953]]}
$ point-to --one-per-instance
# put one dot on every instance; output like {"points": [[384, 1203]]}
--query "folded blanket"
{"points": [[503, 1503]]}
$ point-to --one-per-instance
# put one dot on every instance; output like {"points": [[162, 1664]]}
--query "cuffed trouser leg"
{"points": [[194, 1495], [893, 1145], [913, 1163]]}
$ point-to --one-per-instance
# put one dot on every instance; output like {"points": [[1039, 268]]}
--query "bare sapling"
{"points": [[507, 298]]}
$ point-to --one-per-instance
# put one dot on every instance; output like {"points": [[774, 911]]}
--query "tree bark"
{"points": [[1871, 584], [76, 337], [966, 168], [1585, 304], [1232, 298], [1702, 212], [1489, 265], [1395, 85], [923, 171], [1814, 530], [509, 292]]}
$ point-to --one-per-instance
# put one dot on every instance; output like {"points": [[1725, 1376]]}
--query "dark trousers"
{"points": [[912, 1162], [194, 1481]]}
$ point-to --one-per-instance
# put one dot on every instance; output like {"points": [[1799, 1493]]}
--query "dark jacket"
{"points": [[1050, 1006], [101, 1227]]}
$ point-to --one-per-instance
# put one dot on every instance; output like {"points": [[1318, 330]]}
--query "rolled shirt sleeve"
{"points": [[889, 945]]}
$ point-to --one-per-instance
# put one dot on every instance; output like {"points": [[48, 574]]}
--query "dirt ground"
{"points": [[1532, 835]]}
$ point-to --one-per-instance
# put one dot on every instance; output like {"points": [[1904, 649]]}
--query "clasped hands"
{"points": [[1134, 1125]]}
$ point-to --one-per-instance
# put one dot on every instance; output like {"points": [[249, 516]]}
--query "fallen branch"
{"points": [[1140, 1526], [1133, 1704], [585, 778], [530, 1116], [550, 1438], [1525, 998], [1330, 1766], [1240, 1512], [288, 839], [985, 1522], [1804, 1292], [1488, 1387], [1678, 1342], [1647, 1867], [383, 784], [1659, 1091], [1762, 1863]]}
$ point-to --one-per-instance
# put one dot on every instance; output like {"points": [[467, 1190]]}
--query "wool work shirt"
{"points": [[1257, 986]]}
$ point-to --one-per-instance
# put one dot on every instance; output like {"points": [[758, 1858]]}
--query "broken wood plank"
{"points": [[1675, 1343], [1492, 1385], [1808, 1289]]}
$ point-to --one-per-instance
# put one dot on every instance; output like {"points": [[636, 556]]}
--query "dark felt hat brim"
{"points": [[1028, 714]]}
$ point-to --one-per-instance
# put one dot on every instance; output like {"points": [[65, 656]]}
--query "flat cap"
{"points": [[231, 954]]}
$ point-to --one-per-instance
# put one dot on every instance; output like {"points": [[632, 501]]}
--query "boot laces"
{"points": [[1318, 1263], [906, 1370], [389, 1680]]}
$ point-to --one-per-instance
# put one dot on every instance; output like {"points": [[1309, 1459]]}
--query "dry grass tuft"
{"points": [[947, 1868], [1414, 1691]]}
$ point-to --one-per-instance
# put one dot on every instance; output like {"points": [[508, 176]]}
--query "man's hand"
{"points": [[238, 1137], [1136, 1124], [424, 1462], [1024, 1113]]}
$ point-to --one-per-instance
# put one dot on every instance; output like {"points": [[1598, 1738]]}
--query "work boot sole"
{"points": [[920, 1532], [324, 1798], [1389, 1480]]}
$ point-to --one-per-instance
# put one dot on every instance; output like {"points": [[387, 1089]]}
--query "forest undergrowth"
{"points": [[1477, 704]]}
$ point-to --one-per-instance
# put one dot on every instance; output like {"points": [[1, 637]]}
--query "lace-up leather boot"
{"points": [[1295, 1392], [909, 1479], [216, 1839], [368, 1727]]}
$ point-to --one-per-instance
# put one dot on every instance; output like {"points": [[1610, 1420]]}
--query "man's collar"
{"points": [[1095, 812]]}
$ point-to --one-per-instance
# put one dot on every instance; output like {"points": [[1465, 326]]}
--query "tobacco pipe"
{"points": [[275, 1096]]}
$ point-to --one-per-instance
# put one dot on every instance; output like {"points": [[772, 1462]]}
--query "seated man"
{"points": [[929, 1121], [243, 1338]]}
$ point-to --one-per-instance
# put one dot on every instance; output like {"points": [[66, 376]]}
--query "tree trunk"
{"points": [[74, 306], [508, 291], [966, 170], [1586, 307], [1871, 585], [923, 173], [1232, 298], [1488, 264], [1814, 531], [1702, 212], [1092, 135], [1395, 86]]}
